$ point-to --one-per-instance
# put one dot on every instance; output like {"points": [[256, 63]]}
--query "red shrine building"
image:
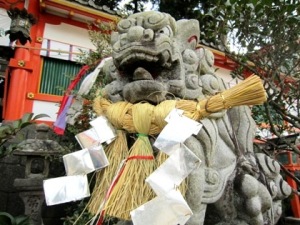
{"points": [[34, 75]]}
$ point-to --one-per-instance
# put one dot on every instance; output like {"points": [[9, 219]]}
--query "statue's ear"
{"points": [[187, 33]]}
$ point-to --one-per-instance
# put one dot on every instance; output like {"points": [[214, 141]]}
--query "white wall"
{"points": [[49, 108], [4, 26], [70, 34]]}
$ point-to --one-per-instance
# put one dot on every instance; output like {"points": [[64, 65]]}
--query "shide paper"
{"points": [[173, 171], [66, 189], [88, 138], [178, 129], [74, 186], [104, 129], [85, 161], [168, 209], [98, 157], [78, 163]]}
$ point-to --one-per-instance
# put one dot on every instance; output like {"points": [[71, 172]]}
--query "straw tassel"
{"points": [[116, 152], [248, 92], [131, 190]]}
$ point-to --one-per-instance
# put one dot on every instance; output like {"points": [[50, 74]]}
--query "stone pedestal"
{"points": [[31, 192]]}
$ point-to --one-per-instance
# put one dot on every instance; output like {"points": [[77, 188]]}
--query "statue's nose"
{"points": [[138, 33]]}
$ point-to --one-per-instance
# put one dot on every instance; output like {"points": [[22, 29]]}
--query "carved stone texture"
{"points": [[156, 58], [36, 150], [33, 202]]}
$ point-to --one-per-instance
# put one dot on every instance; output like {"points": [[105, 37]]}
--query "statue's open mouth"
{"points": [[152, 57], [146, 71]]}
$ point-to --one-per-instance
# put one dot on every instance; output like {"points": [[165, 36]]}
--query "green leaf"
{"points": [[16, 124], [6, 219], [40, 116], [227, 3], [25, 124], [22, 220], [250, 5], [4, 130], [27, 117]]}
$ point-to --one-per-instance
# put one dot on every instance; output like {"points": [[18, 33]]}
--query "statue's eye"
{"points": [[166, 31]]}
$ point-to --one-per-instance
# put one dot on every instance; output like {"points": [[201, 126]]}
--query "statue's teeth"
{"points": [[149, 58], [141, 56]]}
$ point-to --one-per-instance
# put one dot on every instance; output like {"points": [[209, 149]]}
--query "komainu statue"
{"points": [[156, 58]]}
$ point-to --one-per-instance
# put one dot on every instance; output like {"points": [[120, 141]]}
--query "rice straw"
{"points": [[115, 152], [131, 190], [248, 92]]}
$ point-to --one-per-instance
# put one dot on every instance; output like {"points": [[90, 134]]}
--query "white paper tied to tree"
{"points": [[84, 89], [66, 189], [169, 207], [104, 129]]}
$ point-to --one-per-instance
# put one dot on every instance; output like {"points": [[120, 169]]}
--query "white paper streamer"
{"points": [[85, 161], [78, 163], [173, 171], [104, 129], [98, 157], [84, 89], [66, 189], [88, 138], [178, 129], [169, 209]]}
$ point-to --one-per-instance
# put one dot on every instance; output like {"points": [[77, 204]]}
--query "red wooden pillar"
{"points": [[295, 201], [20, 68]]}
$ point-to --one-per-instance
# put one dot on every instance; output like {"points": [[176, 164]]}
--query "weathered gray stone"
{"points": [[9, 173], [15, 205], [29, 184], [156, 58], [23, 173], [3, 201], [10, 159]]}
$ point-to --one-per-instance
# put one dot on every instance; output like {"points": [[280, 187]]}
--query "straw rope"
{"points": [[131, 189], [145, 119], [248, 92]]}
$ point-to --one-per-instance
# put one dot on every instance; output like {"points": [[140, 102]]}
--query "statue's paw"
{"points": [[255, 198]]}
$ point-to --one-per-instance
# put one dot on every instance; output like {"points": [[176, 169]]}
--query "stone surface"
{"points": [[156, 58], [22, 174], [8, 174]]}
